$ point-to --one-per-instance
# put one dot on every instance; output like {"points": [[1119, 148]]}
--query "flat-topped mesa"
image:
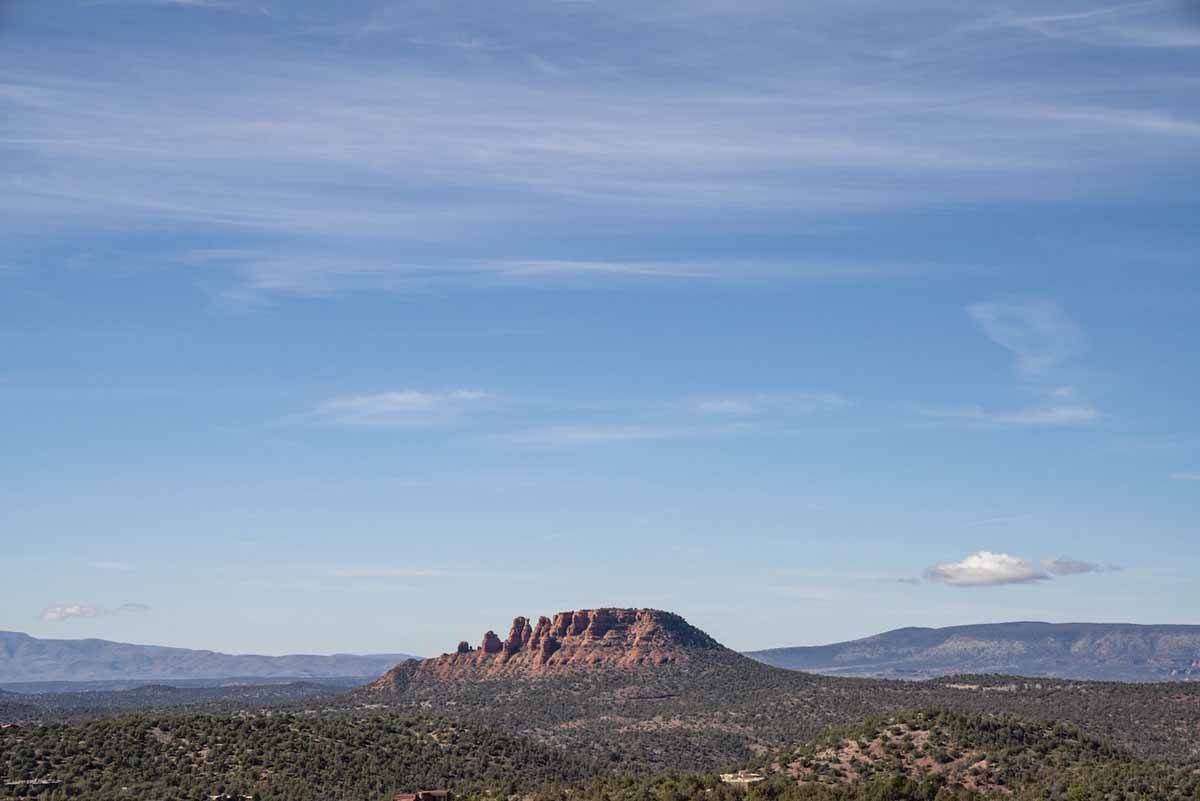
{"points": [[580, 639]]}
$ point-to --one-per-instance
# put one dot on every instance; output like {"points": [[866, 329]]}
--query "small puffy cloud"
{"points": [[986, 569], [53, 614], [989, 569], [57, 614]]}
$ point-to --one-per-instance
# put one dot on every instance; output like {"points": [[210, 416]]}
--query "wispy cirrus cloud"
{"points": [[1042, 339], [1186, 476], [1038, 333], [399, 409], [552, 423], [567, 435], [59, 613], [261, 273], [326, 148], [688, 418], [775, 405], [1052, 415], [1146, 23], [989, 569]]}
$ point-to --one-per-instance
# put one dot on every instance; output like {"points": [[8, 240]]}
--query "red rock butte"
{"points": [[577, 640]]}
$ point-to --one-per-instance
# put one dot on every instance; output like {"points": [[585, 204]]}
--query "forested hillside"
{"points": [[275, 757]]}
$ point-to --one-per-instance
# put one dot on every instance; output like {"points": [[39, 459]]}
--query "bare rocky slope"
{"points": [[579, 639], [28, 659], [1096, 651]]}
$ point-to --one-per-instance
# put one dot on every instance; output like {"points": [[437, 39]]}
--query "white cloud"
{"points": [[984, 569], [566, 435], [1038, 333], [778, 405], [573, 422], [402, 408], [56, 614], [989, 569], [1186, 476], [1034, 416]]}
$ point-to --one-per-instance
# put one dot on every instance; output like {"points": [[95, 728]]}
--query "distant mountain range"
{"points": [[1097, 651], [28, 659]]}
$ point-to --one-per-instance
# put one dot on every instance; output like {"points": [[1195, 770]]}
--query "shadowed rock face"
{"points": [[581, 639]]}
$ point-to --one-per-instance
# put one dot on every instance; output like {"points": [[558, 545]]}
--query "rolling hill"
{"points": [[1096, 651], [28, 659]]}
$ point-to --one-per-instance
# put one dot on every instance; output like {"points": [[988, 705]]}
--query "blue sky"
{"points": [[368, 326]]}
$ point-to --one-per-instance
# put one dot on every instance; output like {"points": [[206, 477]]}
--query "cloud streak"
{"points": [[780, 405], [57, 614], [261, 273], [1033, 416], [407, 408], [573, 435], [1148, 23]]}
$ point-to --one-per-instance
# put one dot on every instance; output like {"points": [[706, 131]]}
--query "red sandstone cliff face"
{"points": [[577, 640]]}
